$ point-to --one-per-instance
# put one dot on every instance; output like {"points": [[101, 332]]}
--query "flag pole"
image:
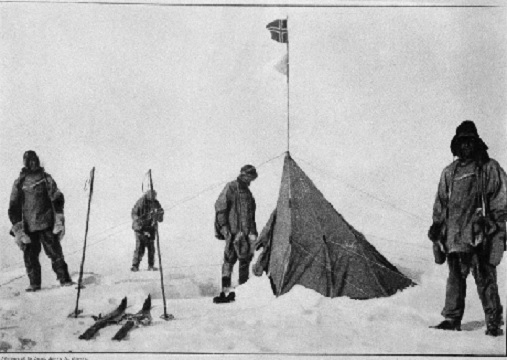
{"points": [[288, 88], [279, 290]]}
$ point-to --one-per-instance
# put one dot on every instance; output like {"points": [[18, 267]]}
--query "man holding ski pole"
{"points": [[146, 213], [36, 213], [235, 223]]}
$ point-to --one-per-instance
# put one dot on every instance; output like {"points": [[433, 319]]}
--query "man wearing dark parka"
{"points": [[36, 213], [469, 217]]}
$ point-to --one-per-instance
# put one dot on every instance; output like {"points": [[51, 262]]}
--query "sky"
{"points": [[374, 97]]}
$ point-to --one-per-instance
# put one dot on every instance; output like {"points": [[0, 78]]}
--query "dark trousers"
{"points": [[237, 247], [52, 248], [144, 242], [460, 265]]}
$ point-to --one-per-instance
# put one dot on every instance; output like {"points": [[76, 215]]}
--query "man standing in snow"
{"points": [[36, 213], [235, 223], [469, 217], [146, 213]]}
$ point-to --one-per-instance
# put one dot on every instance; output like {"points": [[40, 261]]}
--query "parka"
{"points": [[235, 209], [33, 196], [459, 196], [145, 212]]}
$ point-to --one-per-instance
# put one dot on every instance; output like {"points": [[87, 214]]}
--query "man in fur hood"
{"points": [[146, 213], [469, 217], [36, 213]]}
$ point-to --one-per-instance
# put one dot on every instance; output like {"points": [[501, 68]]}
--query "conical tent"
{"points": [[312, 245]]}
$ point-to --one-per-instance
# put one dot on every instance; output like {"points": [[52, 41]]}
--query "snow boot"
{"points": [[448, 324], [33, 288], [152, 268], [494, 331], [134, 268], [224, 299], [67, 283]]}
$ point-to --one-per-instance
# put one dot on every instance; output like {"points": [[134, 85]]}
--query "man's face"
{"points": [[247, 178], [32, 164], [467, 148]]}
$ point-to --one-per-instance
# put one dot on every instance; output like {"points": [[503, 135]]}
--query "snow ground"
{"points": [[300, 322]]}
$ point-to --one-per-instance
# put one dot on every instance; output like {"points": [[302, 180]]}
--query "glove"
{"points": [[482, 224], [159, 215], [137, 225], [257, 269], [225, 232], [59, 226], [20, 237], [252, 239], [434, 231]]}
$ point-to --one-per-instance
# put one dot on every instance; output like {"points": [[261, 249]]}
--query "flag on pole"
{"points": [[279, 33], [278, 30]]}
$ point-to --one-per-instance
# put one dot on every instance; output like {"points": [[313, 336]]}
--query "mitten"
{"points": [[225, 232], [20, 237], [59, 226], [483, 224], [257, 269], [137, 225], [434, 231], [159, 215]]}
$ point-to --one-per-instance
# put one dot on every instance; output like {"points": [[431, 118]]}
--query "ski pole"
{"points": [[92, 177], [165, 316]]}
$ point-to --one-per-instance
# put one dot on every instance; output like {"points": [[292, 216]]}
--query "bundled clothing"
{"points": [[469, 217], [235, 209], [36, 212], [459, 195], [146, 213], [235, 223], [33, 197]]}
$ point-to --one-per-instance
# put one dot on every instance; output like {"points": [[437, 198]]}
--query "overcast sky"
{"points": [[191, 92]]}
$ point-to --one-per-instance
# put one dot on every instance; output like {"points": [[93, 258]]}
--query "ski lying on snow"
{"points": [[102, 321], [142, 317]]}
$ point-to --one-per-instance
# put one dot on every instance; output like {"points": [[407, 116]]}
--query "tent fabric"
{"points": [[312, 245]]}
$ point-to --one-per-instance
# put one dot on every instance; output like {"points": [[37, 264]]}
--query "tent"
{"points": [[307, 242]]}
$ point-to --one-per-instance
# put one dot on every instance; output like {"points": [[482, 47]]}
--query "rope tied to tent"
{"points": [[395, 207]]}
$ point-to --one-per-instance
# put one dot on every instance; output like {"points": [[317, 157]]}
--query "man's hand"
{"points": [[434, 231], [225, 232], [252, 238], [59, 226], [137, 224], [483, 224], [158, 215], [20, 237]]}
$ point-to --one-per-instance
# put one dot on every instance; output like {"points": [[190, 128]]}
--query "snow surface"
{"points": [[300, 322]]}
